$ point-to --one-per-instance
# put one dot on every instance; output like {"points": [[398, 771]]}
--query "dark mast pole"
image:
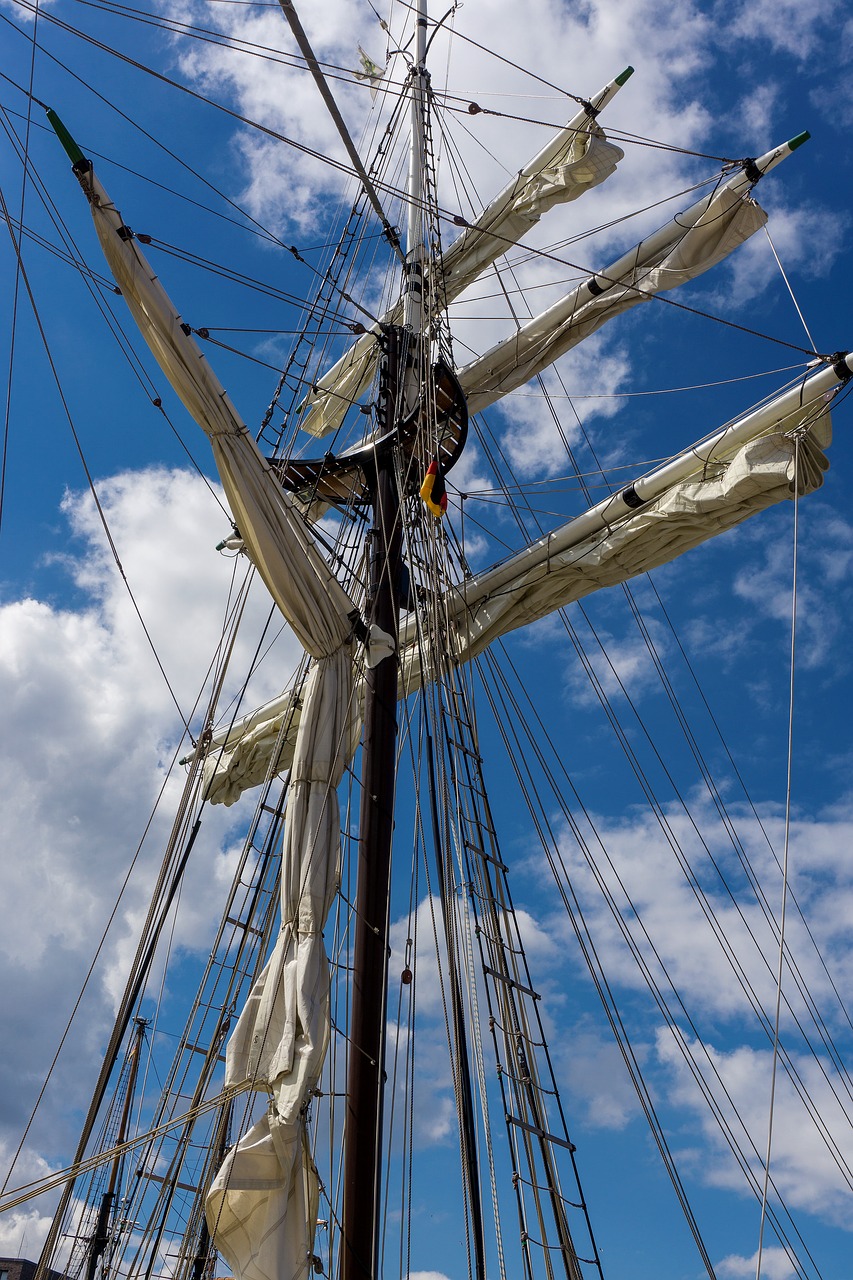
{"points": [[363, 1139], [399, 391]]}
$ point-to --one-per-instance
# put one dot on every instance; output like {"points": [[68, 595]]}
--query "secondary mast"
{"points": [[101, 1239], [400, 388]]}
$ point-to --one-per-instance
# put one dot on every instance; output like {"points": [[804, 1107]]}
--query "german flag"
{"points": [[433, 491]]}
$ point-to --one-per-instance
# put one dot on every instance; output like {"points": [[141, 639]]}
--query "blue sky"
{"points": [[89, 726]]}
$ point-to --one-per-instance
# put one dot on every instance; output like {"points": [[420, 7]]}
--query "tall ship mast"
{"points": [[368, 1034]]}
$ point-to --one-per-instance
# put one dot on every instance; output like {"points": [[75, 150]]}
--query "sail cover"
{"points": [[577, 160], [762, 472], [262, 1207], [690, 244]]}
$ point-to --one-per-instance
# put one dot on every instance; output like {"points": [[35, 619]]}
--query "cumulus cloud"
{"points": [[758, 109], [807, 241], [24, 1228], [825, 557], [785, 26], [775, 1264], [534, 443], [90, 734], [705, 951], [711, 956], [677, 874], [808, 1172], [285, 185], [615, 665], [592, 1074]]}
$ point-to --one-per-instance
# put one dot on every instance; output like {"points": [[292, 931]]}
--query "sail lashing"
{"points": [[690, 244]]}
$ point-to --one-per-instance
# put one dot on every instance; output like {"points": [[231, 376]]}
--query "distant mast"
{"points": [[101, 1240], [402, 362]]}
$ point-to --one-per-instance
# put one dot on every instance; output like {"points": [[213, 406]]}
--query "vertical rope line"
{"points": [[766, 1182], [19, 262]]}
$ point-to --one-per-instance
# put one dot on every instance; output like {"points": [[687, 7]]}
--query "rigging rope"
{"points": [[788, 285], [89, 479], [563, 881], [29, 1190], [73, 257], [543, 255], [502, 720], [444, 214], [785, 868], [18, 270]]}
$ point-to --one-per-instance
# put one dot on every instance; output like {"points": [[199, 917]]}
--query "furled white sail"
{"points": [[747, 466], [576, 159], [689, 513], [272, 527], [689, 245], [262, 1208]]}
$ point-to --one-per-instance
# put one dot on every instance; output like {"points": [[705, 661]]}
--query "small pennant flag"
{"points": [[433, 491], [370, 71]]}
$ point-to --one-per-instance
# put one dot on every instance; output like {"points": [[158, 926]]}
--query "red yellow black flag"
{"points": [[433, 491]]}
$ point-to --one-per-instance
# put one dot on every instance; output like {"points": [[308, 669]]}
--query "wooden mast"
{"points": [[399, 392], [365, 1086]]}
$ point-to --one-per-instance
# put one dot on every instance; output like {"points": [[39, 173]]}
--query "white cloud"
{"points": [[23, 1229], [807, 240], [534, 444], [621, 665], [592, 1071], [826, 556], [656, 902], [74, 678], [803, 1168], [433, 1109], [783, 24], [775, 1265], [758, 109], [656, 868], [90, 730]]}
